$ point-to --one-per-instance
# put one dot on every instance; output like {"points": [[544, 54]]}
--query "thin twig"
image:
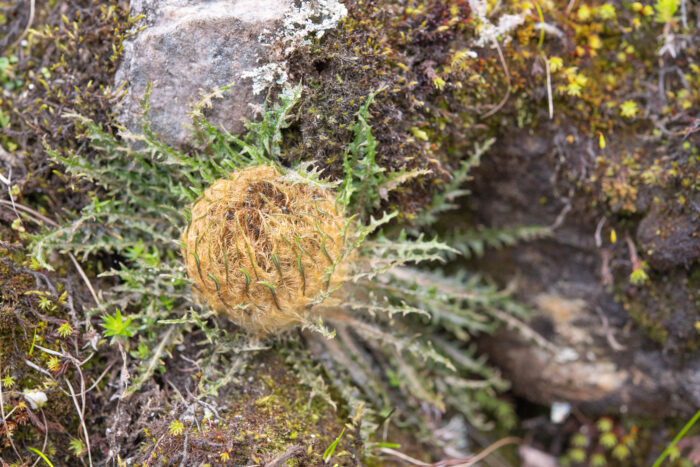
{"points": [[486, 452], [82, 420], [605, 274], [609, 336], [525, 330], [36, 367], [31, 211], [684, 14], [454, 462], [183, 462], [549, 87], [7, 415], [97, 381], [46, 437], [403, 457], [287, 455], [124, 373], [206, 405], [26, 28], [172, 385], [505, 68], [8, 181], [85, 278], [155, 447], [598, 230], [49, 351], [562, 215], [567, 204]]}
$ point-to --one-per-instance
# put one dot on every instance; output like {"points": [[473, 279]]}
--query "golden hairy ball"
{"points": [[262, 249]]}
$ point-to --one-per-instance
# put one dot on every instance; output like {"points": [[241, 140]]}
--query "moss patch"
{"points": [[668, 311], [34, 323], [259, 419]]}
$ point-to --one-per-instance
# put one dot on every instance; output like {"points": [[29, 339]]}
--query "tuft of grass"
{"points": [[330, 450], [666, 452], [41, 455]]}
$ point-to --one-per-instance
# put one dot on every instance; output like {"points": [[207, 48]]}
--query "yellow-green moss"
{"points": [[263, 416], [30, 318]]}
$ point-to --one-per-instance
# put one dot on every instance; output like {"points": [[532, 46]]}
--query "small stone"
{"points": [[559, 411], [669, 240]]}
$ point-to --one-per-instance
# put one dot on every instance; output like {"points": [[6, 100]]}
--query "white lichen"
{"points": [[264, 76], [300, 24], [488, 33], [310, 19], [37, 399]]}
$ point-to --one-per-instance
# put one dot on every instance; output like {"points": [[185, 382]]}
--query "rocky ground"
{"points": [[585, 209]]}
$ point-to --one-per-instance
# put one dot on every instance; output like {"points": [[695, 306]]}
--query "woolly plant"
{"points": [[266, 245], [260, 248]]}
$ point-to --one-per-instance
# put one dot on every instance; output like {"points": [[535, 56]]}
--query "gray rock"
{"points": [[189, 48], [582, 343], [669, 240]]}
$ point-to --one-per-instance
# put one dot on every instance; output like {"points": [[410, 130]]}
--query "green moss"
{"points": [[620, 442], [600, 69], [667, 310], [29, 323], [65, 64], [395, 50], [651, 323], [263, 416], [440, 94]]}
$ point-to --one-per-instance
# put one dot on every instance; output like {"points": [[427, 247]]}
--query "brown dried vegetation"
{"points": [[260, 249]]}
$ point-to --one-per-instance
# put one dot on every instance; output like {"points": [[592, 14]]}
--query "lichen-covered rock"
{"points": [[578, 356], [594, 339], [188, 48]]}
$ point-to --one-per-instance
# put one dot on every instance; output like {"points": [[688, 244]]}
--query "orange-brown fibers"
{"points": [[262, 249]]}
